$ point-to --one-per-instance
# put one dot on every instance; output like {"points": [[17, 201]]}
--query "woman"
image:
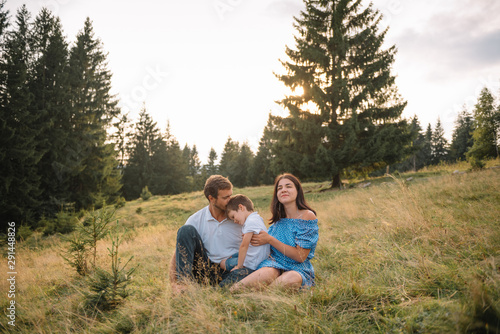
{"points": [[293, 236]]}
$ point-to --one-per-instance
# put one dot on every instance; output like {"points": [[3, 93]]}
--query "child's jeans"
{"points": [[232, 262], [236, 275]]}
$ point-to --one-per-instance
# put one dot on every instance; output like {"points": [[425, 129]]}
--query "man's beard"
{"points": [[218, 207]]}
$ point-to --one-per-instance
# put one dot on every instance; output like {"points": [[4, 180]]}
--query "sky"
{"points": [[207, 67]]}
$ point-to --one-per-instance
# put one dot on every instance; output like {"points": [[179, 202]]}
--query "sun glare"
{"points": [[298, 91]]}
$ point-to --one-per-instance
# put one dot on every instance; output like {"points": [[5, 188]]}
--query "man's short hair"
{"points": [[236, 200], [214, 184]]}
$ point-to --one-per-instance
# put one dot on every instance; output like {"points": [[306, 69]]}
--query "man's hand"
{"points": [[223, 264]]}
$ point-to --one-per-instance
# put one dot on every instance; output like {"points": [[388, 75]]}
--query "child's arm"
{"points": [[242, 254]]}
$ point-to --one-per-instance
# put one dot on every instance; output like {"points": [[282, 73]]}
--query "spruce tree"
{"points": [[19, 180], [349, 103], [211, 167], [486, 127], [260, 171], [439, 144], [241, 169], [414, 161], [4, 20], [228, 158], [4, 24], [170, 170], [155, 161], [193, 163], [427, 146], [93, 107], [462, 135], [160, 179], [49, 86], [176, 166], [120, 138], [144, 143]]}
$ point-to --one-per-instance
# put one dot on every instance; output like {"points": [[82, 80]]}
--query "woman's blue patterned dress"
{"points": [[293, 232]]}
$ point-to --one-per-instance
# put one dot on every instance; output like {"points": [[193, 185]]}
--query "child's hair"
{"points": [[236, 200]]}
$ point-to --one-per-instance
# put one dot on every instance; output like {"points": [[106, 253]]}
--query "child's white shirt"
{"points": [[255, 254]]}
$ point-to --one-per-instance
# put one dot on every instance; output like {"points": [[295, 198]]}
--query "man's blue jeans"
{"points": [[192, 261]]}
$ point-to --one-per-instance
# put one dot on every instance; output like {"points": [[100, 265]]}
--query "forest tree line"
{"points": [[66, 146]]}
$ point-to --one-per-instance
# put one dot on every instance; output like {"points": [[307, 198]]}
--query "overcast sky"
{"points": [[206, 66]]}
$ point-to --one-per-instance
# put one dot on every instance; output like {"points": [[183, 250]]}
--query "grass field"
{"points": [[398, 256]]}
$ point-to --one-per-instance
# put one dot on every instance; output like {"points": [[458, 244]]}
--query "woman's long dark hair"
{"points": [[278, 209]]}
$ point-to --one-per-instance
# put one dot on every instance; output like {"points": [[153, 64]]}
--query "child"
{"points": [[240, 210]]}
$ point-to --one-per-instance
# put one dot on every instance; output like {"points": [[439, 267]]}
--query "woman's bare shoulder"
{"points": [[308, 215]]}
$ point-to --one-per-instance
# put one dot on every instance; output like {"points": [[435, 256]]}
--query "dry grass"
{"points": [[419, 256]]}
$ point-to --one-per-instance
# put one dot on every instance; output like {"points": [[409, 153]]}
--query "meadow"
{"points": [[412, 253]]}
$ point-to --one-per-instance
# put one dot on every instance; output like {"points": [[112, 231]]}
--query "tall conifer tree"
{"points": [[228, 158], [19, 180], [120, 138], [414, 159], [145, 141], [462, 135], [93, 110], [439, 144], [349, 104], [427, 146], [176, 167], [211, 167], [49, 86], [260, 171], [486, 127], [241, 170]]}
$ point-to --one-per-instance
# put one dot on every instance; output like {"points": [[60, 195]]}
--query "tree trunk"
{"points": [[336, 182]]}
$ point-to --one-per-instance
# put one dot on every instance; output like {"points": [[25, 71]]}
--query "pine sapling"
{"points": [[109, 289], [95, 228], [77, 253]]}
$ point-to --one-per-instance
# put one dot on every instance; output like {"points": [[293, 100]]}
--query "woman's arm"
{"points": [[296, 253]]}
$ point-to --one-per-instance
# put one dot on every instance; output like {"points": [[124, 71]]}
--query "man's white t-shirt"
{"points": [[221, 239], [255, 254]]}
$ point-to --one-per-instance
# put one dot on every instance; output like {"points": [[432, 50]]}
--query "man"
{"points": [[206, 239]]}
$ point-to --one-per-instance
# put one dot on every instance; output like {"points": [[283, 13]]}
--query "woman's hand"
{"points": [[260, 239]]}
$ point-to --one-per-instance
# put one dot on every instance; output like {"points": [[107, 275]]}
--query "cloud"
{"points": [[284, 8], [461, 37], [484, 49]]}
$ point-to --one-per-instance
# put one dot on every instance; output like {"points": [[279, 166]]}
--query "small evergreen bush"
{"points": [[476, 163], [64, 223], [109, 289], [146, 194]]}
